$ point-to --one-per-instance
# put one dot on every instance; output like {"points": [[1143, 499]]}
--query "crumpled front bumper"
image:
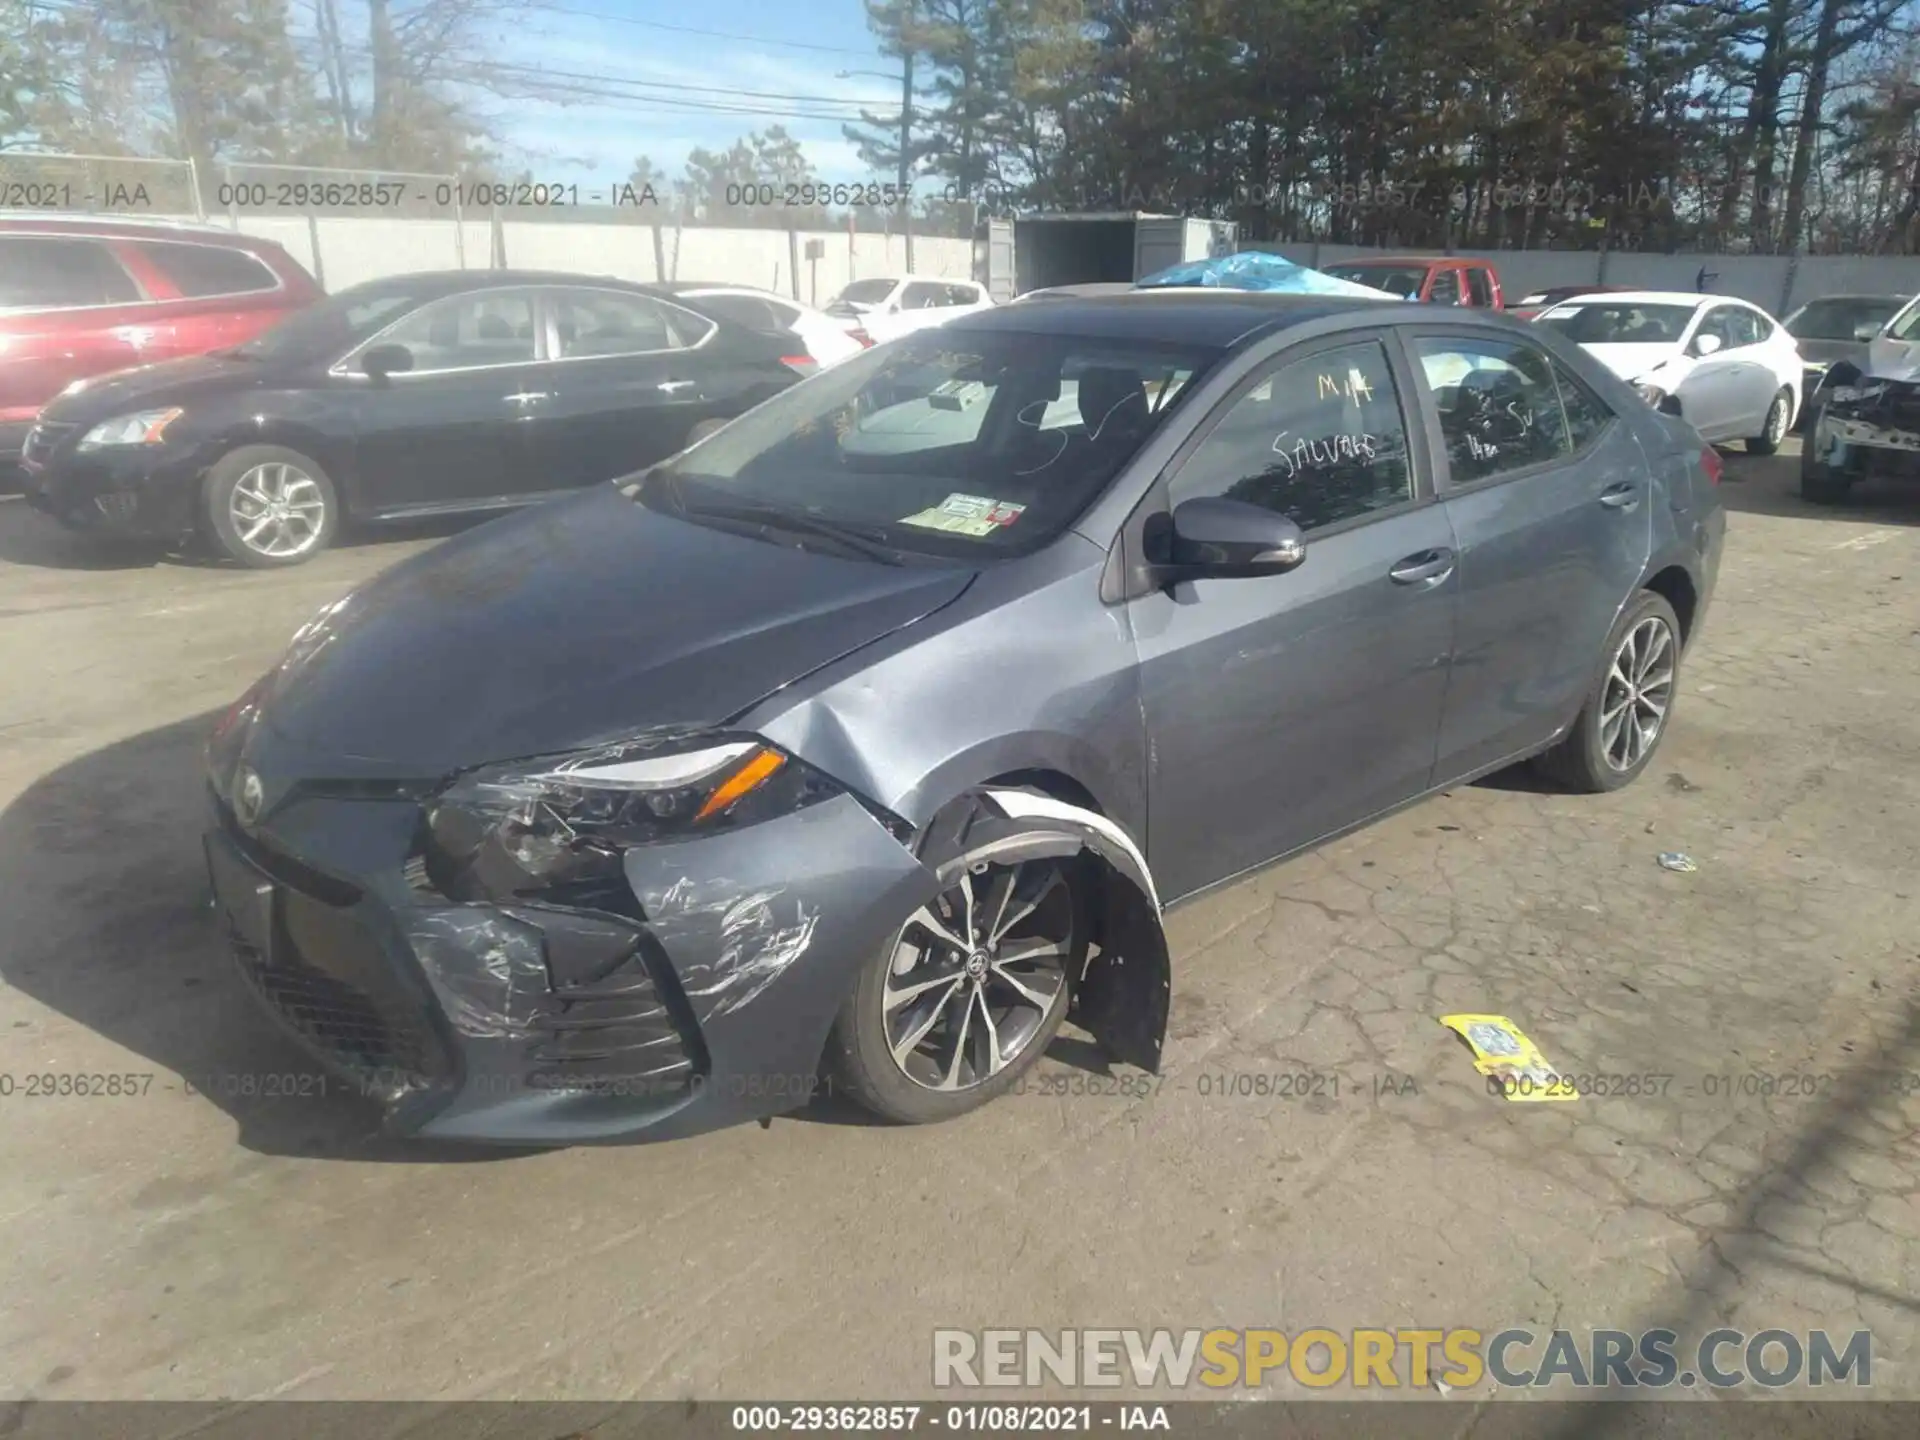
{"points": [[1883, 430], [543, 1024]]}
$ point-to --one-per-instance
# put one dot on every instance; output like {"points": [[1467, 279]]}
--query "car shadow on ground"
{"points": [[32, 539], [104, 888], [1771, 486]]}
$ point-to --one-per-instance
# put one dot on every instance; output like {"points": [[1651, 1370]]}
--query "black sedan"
{"points": [[417, 395]]}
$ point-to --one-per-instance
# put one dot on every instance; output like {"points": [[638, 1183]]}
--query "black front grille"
{"points": [[328, 979], [278, 865], [43, 439]]}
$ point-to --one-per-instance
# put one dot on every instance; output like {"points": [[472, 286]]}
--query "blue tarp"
{"points": [[1257, 270]]}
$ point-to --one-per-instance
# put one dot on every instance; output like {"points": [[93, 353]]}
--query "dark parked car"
{"points": [[417, 395], [637, 813], [81, 295], [1836, 329]]}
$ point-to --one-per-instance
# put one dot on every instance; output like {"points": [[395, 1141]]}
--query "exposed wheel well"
{"points": [[1675, 586], [1052, 782]]}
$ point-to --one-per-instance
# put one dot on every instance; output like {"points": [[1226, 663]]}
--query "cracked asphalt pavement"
{"points": [[1319, 1152]]}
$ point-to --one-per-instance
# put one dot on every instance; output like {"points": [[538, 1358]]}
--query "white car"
{"points": [[1728, 368], [883, 306], [824, 338]]}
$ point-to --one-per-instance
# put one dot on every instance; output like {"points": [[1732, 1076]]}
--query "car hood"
{"points": [[1894, 359], [1630, 362], [584, 620], [1831, 352], [169, 382]]}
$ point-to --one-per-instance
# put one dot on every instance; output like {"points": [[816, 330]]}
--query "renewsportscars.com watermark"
{"points": [[1455, 1359]]}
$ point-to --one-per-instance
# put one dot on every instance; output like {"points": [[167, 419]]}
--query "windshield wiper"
{"points": [[860, 539]]}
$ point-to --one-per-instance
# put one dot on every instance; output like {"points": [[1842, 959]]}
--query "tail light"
{"points": [[866, 340], [1711, 462], [800, 364]]}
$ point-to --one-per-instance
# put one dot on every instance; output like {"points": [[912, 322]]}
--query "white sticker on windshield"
{"points": [[967, 515]]}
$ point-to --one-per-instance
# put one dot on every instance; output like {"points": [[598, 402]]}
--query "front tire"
{"points": [[1625, 714], [1779, 421], [966, 996], [267, 506]]}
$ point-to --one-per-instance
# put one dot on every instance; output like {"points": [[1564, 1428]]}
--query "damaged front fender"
{"points": [[1123, 996]]}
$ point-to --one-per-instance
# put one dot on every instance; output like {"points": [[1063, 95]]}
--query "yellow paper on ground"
{"points": [[1512, 1063]]}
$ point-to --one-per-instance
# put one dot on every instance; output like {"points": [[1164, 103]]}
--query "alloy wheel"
{"points": [[1777, 420], [277, 510], [975, 973], [1638, 693]]}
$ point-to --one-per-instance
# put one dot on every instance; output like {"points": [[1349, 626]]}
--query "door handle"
{"points": [[1621, 496], [527, 397], [1429, 567]]}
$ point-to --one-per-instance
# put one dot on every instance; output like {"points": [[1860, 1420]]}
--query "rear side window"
{"points": [[47, 272], [962, 295], [748, 310], [197, 271], [921, 296], [1446, 288], [1499, 407], [1480, 284], [1319, 440], [1587, 414], [607, 322]]}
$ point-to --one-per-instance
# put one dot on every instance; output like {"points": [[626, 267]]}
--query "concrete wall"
{"points": [[344, 250], [1776, 283]]}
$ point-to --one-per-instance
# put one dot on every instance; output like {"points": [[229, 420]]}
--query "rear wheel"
{"points": [[966, 996], [267, 506], [1625, 715], [1779, 420]]}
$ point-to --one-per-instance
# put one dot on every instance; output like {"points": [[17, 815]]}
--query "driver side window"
{"points": [[1719, 323], [468, 332]]}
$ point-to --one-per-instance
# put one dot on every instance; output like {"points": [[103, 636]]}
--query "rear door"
{"points": [[221, 295], [1286, 707], [1547, 492], [68, 309], [453, 431], [634, 375]]}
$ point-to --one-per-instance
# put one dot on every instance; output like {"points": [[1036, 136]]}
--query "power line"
{"points": [[709, 34]]}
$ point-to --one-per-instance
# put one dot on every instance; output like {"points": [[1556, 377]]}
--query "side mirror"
{"points": [[384, 360], [1866, 330], [1705, 344], [1232, 539]]}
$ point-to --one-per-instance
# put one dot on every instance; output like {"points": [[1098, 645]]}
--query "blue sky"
{"points": [[796, 50]]}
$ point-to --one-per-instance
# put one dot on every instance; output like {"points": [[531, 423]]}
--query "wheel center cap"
{"points": [[977, 965]]}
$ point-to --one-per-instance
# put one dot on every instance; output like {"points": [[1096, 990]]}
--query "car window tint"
{"points": [[1499, 409], [201, 270], [1480, 286], [1719, 321], [1446, 288], [42, 272], [1319, 440], [1587, 414], [607, 322], [748, 310], [923, 297], [1752, 327], [493, 327], [962, 295]]}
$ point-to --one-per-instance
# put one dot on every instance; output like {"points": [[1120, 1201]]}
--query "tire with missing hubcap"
{"points": [[1625, 714], [268, 506], [965, 997]]}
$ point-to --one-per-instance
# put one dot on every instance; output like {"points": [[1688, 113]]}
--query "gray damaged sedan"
{"points": [[862, 744]]}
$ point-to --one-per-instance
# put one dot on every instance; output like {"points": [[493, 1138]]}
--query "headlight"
{"points": [[536, 827], [143, 427]]}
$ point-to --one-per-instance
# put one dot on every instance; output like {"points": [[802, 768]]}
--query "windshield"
{"points": [[1401, 280], [1842, 318], [1907, 326], [338, 323], [1617, 324], [943, 444]]}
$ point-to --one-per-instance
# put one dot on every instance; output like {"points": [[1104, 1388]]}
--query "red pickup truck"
{"points": [[1435, 279]]}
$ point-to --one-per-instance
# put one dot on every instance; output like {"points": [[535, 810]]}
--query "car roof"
{"points": [[1885, 295], [1195, 317], [451, 282], [1407, 260], [126, 227], [1689, 298]]}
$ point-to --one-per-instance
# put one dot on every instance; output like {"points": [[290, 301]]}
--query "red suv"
{"points": [[80, 296], [1435, 279]]}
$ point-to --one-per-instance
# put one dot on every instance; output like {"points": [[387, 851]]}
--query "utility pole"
{"points": [[906, 149]]}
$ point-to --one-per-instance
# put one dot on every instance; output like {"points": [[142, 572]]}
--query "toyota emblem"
{"points": [[248, 795]]}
